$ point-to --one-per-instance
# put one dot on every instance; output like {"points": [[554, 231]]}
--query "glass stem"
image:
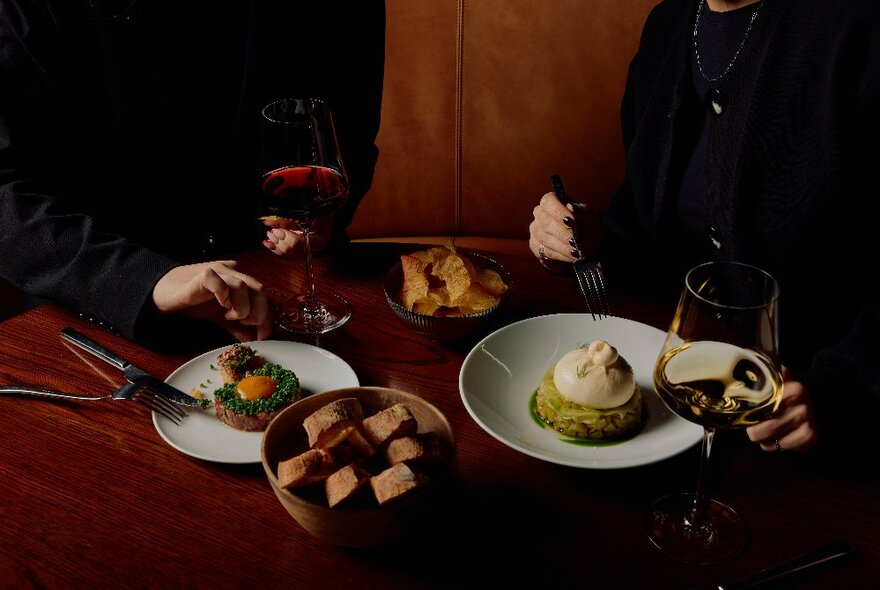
{"points": [[311, 303], [701, 497]]}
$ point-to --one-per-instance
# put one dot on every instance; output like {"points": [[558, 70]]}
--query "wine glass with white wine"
{"points": [[302, 178], [718, 368]]}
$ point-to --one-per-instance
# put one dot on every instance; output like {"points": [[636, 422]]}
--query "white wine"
{"points": [[718, 385]]}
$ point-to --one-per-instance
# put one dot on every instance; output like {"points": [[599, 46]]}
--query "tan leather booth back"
{"points": [[484, 99]]}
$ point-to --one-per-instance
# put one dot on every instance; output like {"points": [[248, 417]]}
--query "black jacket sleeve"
{"points": [[121, 158], [50, 247]]}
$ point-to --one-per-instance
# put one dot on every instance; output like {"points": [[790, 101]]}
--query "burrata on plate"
{"points": [[591, 393]]}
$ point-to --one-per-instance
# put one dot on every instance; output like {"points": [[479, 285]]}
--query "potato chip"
{"points": [[477, 299], [469, 265], [415, 281], [440, 296], [425, 306], [438, 281], [451, 312], [426, 256], [451, 270], [491, 281]]}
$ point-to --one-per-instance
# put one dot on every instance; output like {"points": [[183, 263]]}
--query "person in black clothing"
{"points": [[751, 134], [129, 138]]}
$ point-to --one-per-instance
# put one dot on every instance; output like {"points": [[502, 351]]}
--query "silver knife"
{"points": [[132, 373]]}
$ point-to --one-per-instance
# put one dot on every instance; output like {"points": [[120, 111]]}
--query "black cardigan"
{"points": [[128, 145], [791, 175]]}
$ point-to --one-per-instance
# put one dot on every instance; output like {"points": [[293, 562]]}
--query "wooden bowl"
{"points": [[364, 525]]}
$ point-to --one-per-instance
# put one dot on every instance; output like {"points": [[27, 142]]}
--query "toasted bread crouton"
{"points": [[301, 470], [359, 444], [390, 423], [345, 483], [423, 448], [331, 424], [395, 481], [312, 466]]}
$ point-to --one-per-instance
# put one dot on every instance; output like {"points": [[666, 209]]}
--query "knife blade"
{"points": [[132, 373]]}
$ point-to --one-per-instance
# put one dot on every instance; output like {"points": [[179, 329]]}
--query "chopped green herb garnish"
{"points": [[213, 368], [288, 387]]}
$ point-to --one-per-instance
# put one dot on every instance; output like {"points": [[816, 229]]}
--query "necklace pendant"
{"points": [[717, 100]]}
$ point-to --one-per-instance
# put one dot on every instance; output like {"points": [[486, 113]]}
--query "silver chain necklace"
{"points": [[714, 96]]}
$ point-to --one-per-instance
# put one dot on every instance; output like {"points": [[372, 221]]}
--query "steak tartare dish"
{"points": [[253, 401]]}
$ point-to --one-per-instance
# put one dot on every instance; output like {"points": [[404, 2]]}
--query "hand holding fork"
{"points": [[555, 239]]}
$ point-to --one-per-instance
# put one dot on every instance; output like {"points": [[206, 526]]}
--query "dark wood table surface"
{"points": [[92, 497]]}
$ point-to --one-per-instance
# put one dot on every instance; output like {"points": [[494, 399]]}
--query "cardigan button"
{"points": [[715, 237], [717, 101]]}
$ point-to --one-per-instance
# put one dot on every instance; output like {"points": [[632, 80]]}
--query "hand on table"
{"points": [[216, 292], [285, 238], [794, 426]]}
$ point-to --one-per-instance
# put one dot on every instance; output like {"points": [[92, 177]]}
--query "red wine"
{"points": [[302, 192]]}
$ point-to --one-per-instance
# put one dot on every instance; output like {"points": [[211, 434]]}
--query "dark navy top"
{"points": [[719, 36]]}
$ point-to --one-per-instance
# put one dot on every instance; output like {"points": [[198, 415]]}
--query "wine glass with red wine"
{"points": [[302, 178]]}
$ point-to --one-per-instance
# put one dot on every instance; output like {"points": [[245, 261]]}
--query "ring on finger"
{"points": [[541, 254], [778, 446]]}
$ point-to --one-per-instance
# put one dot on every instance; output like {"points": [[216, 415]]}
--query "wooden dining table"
{"points": [[92, 497]]}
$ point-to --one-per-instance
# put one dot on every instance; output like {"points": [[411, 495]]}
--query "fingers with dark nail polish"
{"points": [[572, 242], [568, 221], [576, 253]]}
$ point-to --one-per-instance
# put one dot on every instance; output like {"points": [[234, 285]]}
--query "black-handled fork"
{"points": [[587, 271]]}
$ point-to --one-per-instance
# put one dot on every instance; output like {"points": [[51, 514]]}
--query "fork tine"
{"points": [[586, 289], [162, 411], [150, 402], [603, 292], [173, 407], [166, 403], [159, 404], [599, 291]]}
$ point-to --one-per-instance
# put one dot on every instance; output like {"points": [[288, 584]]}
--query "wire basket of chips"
{"points": [[446, 294]]}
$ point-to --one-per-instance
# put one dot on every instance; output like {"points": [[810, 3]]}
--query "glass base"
{"points": [[719, 536], [329, 312]]}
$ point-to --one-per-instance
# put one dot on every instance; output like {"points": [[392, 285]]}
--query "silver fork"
{"points": [[587, 271], [131, 391]]}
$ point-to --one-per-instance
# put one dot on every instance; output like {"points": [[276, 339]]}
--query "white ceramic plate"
{"points": [[502, 372], [203, 436]]}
